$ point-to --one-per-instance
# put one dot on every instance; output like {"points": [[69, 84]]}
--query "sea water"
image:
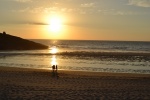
{"points": [[83, 55]]}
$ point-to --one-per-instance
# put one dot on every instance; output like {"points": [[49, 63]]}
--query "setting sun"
{"points": [[55, 24]]}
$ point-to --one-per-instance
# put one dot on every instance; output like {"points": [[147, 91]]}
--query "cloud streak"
{"points": [[23, 1], [140, 3]]}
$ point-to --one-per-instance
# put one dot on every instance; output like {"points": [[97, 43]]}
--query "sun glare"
{"points": [[53, 50], [54, 60], [55, 24]]}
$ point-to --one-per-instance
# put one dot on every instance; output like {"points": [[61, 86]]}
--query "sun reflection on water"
{"points": [[53, 50]]}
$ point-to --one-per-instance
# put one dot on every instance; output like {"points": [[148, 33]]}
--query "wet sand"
{"points": [[37, 84]]}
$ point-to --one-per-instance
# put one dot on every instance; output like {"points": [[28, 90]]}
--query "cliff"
{"points": [[9, 42]]}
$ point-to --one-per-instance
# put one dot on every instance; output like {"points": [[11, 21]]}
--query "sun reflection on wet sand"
{"points": [[54, 60]]}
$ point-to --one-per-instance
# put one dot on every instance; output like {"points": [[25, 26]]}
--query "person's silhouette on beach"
{"points": [[54, 71], [53, 68], [56, 68]]}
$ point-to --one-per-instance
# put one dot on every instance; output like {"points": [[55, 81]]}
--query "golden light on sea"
{"points": [[54, 60], [53, 50]]}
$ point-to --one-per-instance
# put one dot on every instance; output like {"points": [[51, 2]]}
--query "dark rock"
{"points": [[9, 42], [4, 33]]}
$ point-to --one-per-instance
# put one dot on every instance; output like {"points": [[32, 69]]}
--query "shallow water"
{"points": [[99, 56]]}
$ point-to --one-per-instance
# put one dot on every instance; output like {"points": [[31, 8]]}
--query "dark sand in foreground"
{"points": [[36, 84]]}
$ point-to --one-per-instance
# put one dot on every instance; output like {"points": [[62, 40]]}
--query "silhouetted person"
{"points": [[56, 68], [53, 69], [57, 72]]}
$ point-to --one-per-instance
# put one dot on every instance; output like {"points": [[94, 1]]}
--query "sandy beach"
{"points": [[39, 84]]}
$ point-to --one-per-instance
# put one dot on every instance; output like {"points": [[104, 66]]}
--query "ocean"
{"points": [[83, 55]]}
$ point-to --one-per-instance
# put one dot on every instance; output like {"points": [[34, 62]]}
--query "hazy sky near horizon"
{"points": [[80, 19]]}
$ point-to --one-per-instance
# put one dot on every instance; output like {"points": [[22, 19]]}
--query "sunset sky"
{"points": [[76, 19]]}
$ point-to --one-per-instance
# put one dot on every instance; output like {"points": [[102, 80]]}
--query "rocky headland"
{"points": [[9, 42]]}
